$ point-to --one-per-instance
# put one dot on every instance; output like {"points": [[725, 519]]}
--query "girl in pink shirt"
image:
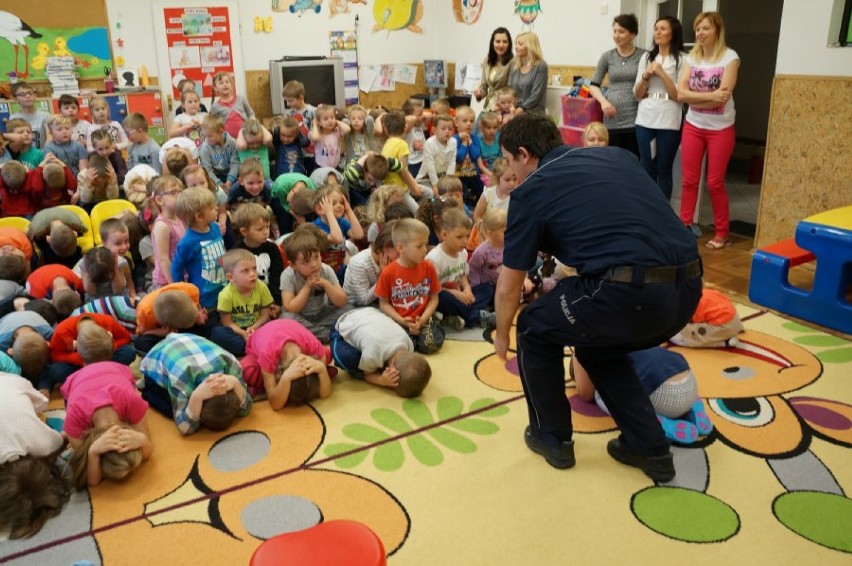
{"points": [[278, 355], [167, 229], [105, 423]]}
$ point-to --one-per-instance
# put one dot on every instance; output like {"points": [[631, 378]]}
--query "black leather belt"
{"points": [[655, 274]]}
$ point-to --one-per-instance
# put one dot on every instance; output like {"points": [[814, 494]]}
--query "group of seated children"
{"points": [[220, 314]]}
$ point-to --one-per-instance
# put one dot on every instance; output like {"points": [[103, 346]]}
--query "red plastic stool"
{"points": [[328, 544]]}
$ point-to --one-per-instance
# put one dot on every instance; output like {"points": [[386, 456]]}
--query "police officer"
{"points": [[638, 283]]}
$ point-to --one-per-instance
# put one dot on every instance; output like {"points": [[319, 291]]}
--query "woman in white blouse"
{"points": [[707, 84], [659, 115]]}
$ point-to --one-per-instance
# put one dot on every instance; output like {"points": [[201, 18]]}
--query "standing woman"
{"points": [[706, 85], [660, 114], [528, 74], [495, 68], [621, 65]]}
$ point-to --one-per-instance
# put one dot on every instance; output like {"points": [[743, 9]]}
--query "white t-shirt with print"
{"points": [[707, 77], [450, 269]]}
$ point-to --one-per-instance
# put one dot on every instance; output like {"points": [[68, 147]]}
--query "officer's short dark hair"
{"points": [[533, 131]]}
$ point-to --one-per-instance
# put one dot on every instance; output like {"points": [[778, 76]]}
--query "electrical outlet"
{"points": [[604, 8]]}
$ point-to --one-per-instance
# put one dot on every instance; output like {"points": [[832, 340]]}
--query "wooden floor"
{"points": [[728, 270]]}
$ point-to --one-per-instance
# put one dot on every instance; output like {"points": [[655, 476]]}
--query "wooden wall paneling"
{"points": [[808, 167]]}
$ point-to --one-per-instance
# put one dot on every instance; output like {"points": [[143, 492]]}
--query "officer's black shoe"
{"points": [[561, 457], [658, 468]]}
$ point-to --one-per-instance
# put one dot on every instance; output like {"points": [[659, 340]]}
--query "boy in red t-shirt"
{"points": [[408, 288], [65, 358]]}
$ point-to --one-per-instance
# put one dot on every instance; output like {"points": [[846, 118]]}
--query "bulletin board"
{"points": [[199, 42], [81, 32]]}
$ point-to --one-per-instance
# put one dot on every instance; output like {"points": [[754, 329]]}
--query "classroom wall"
{"points": [[573, 32], [803, 48]]}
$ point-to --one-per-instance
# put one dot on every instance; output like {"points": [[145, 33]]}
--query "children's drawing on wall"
{"points": [[467, 11], [216, 56], [386, 78], [297, 6], [29, 47], [196, 23], [342, 6], [527, 11], [395, 15], [184, 56]]}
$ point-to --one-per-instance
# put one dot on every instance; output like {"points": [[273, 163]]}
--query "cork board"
{"points": [[807, 168]]}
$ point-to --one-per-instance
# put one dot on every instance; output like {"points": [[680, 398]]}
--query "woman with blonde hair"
{"points": [[707, 84], [528, 74]]}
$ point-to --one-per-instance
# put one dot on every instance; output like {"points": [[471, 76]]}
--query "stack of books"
{"points": [[62, 76]]}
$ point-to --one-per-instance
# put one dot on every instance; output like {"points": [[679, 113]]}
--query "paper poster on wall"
{"points": [[199, 42], [344, 45], [468, 76], [406, 74]]}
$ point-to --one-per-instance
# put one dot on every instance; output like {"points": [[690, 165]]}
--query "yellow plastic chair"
{"points": [[85, 241], [15, 222], [107, 209]]}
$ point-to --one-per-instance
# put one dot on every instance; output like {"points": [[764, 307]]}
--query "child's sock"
{"points": [[698, 416], [678, 430]]}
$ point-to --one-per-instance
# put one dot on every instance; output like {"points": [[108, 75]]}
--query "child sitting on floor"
{"points": [[55, 231], [361, 276], [100, 274], [24, 335], [408, 288], [16, 196], [245, 301], [310, 291], [171, 308], [251, 221], [53, 183], [34, 489], [461, 304], [335, 218], [198, 256], [715, 323], [104, 415], [65, 358], [286, 361], [671, 386], [58, 284], [196, 382], [97, 183], [372, 347]]}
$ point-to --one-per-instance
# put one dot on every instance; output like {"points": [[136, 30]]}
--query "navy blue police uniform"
{"points": [[638, 283]]}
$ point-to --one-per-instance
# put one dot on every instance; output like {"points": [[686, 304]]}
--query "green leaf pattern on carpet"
{"points": [[840, 352], [427, 447]]}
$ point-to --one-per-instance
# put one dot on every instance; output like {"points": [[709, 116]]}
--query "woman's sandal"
{"points": [[716, 244]]}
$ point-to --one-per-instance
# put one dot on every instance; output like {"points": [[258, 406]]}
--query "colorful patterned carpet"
{"points": [[447, 479]]}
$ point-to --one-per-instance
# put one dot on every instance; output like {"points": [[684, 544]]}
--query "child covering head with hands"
{"points": [[104, 415], [284, 359], [194, 381]]}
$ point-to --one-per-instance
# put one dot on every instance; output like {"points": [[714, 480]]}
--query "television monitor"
{"points": [[322, 77], [436, 73]]}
